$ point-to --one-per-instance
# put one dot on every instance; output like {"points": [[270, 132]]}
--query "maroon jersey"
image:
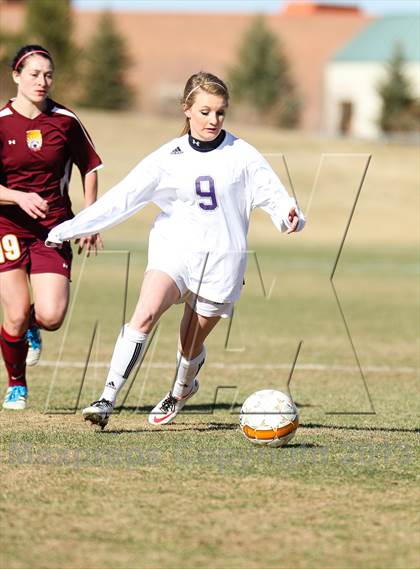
{"points": [[36, 155]]}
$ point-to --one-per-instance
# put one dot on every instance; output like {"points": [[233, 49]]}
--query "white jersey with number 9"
{"points": [[206, 199]]}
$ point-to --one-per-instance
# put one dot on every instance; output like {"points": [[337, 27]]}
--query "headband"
{"points": [[200, 86], [31, 53]]}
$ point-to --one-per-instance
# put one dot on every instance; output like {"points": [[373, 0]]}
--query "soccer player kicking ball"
{"points": [[206, 183]]}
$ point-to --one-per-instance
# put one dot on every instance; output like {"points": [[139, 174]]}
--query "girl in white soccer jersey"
{"points": [[206, 183]]}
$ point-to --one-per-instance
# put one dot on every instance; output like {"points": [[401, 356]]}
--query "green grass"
{"points": [[342, 494]]}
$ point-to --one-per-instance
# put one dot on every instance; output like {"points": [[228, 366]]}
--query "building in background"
{"points": [[352, 105], [166, 48]]}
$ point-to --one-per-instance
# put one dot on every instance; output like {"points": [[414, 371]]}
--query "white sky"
{"points": [[370, 6]]}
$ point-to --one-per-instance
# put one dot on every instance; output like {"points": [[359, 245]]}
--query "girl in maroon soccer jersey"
{"points": [[39, 142]]}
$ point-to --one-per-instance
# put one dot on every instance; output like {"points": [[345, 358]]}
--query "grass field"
{"points": [[342, 494]]}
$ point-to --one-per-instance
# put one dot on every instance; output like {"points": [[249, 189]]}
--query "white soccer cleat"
{"points": [[98, 412], [167, 409], [16, 398], [33, 337]]}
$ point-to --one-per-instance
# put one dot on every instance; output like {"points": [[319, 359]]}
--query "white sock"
{"points": [[187, 372], [129, 348]]}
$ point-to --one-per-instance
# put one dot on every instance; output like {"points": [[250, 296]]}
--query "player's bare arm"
{"points": [[90, 189], [31, 203]]}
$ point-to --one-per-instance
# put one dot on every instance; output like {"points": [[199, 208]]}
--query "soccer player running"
{"points": [[206, 183], [39, 142]]}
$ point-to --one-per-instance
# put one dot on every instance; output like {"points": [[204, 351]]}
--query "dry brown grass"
{"points": [[134, 519], [343, 495]]}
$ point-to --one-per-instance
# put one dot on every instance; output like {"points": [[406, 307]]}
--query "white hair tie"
{"points": [[200, 86]]}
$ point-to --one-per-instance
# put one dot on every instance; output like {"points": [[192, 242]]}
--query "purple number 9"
{"points": [[204, 187]]}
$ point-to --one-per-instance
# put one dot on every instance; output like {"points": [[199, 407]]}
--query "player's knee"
{"points": [[49, 320], [16, 321]]}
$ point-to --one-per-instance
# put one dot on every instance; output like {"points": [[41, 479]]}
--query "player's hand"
{"points": [[293, 219], [91, 243], [32, 204]]}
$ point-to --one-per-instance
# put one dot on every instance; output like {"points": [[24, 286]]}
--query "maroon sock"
{"points": [[14, 350]]}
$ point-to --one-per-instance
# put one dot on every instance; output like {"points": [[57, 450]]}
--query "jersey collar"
{"points": [[206, 146], [48, 107]]}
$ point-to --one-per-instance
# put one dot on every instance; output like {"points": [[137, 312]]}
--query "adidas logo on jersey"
{"points": [[177, 150]]}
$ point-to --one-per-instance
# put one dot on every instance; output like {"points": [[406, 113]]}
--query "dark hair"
{"points": [[18, 62], [206, 82]]}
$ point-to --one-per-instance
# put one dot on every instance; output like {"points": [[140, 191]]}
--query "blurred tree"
{"points": [[400, 110], [49, 22], [262, 78], [9, 43], [105, 86]]}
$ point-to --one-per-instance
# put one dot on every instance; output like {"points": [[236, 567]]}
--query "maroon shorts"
{"points": [[32, 255]]}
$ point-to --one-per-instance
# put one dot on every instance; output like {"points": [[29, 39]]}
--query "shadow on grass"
{"points": [[202, 409], [209, 409], [198, 409], [176, 428], [348, 428]]}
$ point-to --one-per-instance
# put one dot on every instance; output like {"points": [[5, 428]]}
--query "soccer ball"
{"points": [[269, 417]]}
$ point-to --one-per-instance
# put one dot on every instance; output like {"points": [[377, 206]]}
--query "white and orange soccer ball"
{"points": [[269, 417]]}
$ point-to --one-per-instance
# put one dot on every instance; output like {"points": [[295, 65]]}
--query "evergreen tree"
{"points": [[105, 86], [49, 23], [262, 77], [9, 43], [399, 108]]}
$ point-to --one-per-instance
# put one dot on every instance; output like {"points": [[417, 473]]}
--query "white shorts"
{"points": [[173, 266], [206, 307]]}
